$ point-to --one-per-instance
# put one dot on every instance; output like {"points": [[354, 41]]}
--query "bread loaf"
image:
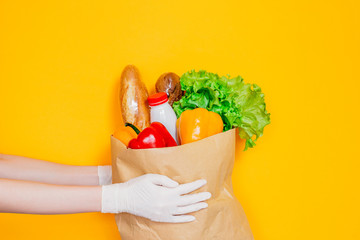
{"points": [[170, 83], [133, 98]]}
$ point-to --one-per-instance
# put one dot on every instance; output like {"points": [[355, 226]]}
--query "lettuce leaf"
{"points": [[240, 105]]}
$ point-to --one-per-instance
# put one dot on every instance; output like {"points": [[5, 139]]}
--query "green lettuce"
{"points": [[239, 104]]}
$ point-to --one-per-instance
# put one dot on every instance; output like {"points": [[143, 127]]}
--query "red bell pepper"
{"points": [[155, 136]]}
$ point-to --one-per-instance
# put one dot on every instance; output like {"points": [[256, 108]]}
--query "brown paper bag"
{"points": [[212, 159]]}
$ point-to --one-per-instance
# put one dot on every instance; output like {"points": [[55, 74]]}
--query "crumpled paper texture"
{"points": [[212, 159]]}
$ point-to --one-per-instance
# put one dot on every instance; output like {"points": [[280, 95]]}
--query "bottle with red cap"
{"points": [[161, 111]]}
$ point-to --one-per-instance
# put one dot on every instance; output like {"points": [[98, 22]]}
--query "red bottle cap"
{"points": [[157, 99]]}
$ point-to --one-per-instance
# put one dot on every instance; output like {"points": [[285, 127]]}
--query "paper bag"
{"points": [[212, 159]]}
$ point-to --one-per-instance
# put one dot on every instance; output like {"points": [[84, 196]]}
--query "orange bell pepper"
{"points": [[126, 133], [197, 124]]}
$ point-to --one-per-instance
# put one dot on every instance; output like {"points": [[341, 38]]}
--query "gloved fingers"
{"points": [[193, 198], [182, 219], [162, 180], [191, 208], [189, 187]]}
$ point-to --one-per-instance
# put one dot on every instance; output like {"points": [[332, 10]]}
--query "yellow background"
{"points": [[60, 63]]}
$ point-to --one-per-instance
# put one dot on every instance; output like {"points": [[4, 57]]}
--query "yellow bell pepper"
{"points": [[126, 133], [197, 124]]}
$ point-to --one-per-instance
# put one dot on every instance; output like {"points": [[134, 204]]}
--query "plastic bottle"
{"points": [[162, 112]]}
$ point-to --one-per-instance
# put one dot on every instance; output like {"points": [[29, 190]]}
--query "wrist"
{"points": [[105, 175], [114, 198]]}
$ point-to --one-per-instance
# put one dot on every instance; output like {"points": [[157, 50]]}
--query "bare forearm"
{"points": [[22, 168], [38, 198]]}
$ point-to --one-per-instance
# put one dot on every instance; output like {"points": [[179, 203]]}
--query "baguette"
{"points": [[133, 98]]}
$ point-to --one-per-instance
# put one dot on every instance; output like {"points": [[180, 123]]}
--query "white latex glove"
{"points": [[105, 175], [155, 197]]}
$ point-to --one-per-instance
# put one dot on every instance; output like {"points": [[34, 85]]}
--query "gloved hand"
{"points": [[105, 175], [155, 197]]}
